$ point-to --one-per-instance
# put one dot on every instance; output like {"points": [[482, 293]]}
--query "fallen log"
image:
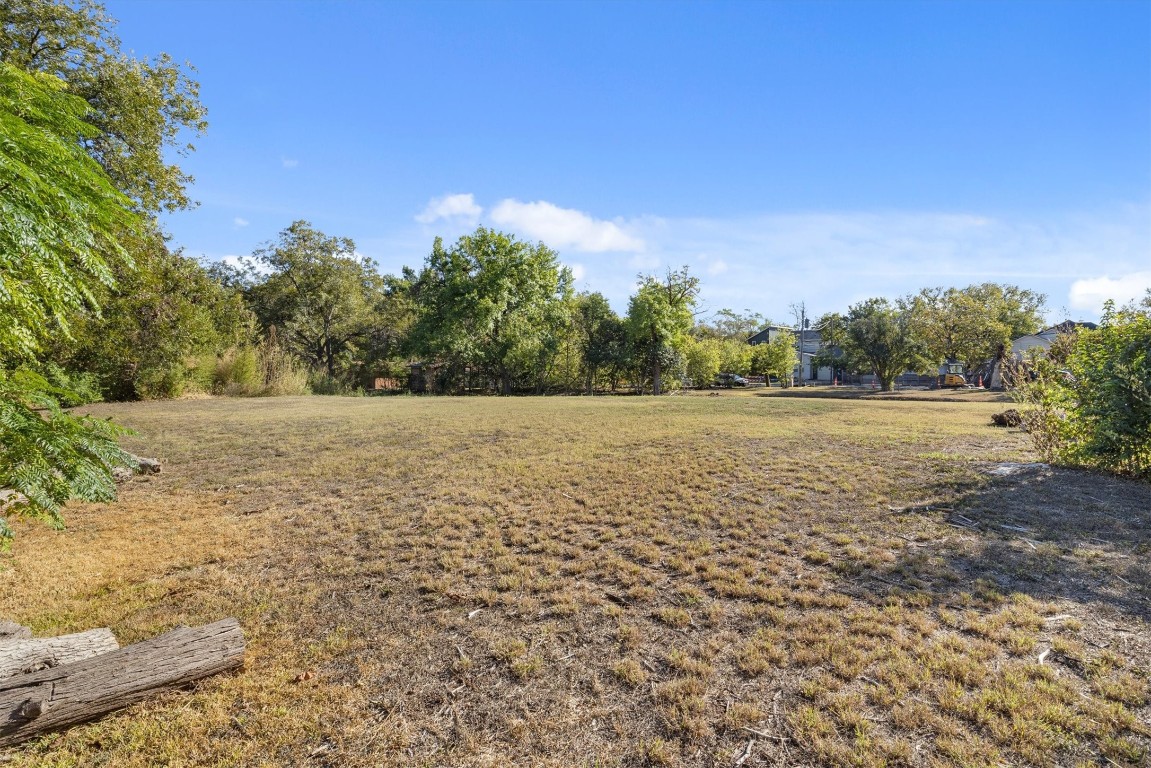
{"points": [[10, 630], [144, 466], [18, 657], [75, 693]]}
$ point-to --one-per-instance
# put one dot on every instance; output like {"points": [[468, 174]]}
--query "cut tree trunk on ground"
{"points": [[18, 657], [10, 630], [144, 466], [75, 693]]}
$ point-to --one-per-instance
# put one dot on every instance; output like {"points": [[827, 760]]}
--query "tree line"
{"points": [[102, 306], [95, 303]]}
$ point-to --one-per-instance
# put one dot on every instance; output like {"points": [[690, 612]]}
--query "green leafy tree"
{"points": [[972, 324], [659, 319], [1094, 408], [702, 360], [736, 355], [318, 292], [602, 337], [59, 220], [777, 357], [394, 313], [161, 327], [493, 302], [138, 110], [729, 324], [875, 337]]}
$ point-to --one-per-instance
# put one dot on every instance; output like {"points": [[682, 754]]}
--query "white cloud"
{"points": [[289, 162], [717, 267], [564, 227], [452, 207], [1090, 294], [578, 270], [833, 259], [239, 222]]}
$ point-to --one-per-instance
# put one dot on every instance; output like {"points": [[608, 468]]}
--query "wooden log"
{"points": [[10, 630], [18, 657], [75, 693]]}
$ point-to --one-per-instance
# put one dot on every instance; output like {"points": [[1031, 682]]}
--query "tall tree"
{"points": [[659, 319], [59, 220], [875, 337], [158, 322], [138, 108], [602, 336], [777, 357], [702, 360], [318, 291], [973, 324], [493, 302]]}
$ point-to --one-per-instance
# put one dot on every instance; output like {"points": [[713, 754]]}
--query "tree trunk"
{"points": [[505, 381], [655, 378], [21, 656], [75, 693], [12, 631]]}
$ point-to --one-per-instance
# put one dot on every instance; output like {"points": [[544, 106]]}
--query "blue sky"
{"points": [[812, 151]]}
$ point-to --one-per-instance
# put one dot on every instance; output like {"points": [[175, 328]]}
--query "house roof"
{"points": [[809, 334], [1067, 326]]}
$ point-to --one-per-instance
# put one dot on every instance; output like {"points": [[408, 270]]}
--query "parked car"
{"points": [[729, 380]]}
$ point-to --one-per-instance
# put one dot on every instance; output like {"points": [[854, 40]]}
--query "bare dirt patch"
{"points": [[609, 581]]}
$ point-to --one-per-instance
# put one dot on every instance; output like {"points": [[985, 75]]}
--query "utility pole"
{"points": [[799, 312]]}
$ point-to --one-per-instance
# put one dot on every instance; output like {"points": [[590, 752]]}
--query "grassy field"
{"points": [[608, 581]]}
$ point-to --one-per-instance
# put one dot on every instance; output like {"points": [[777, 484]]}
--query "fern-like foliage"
{"points": [[61, 220], [48, 455]]}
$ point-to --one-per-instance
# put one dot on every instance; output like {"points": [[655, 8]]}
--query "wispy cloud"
{"points": [[289, 162], [833, 259], [239, 223], [563, 227], [1092, 293], [460, 208], [829, 259]]}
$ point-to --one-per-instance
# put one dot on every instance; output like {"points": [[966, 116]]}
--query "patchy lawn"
{"points": [[609, 581]]}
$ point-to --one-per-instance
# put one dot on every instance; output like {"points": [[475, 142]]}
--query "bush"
{"points": [[283, 373], [1096, 411], [262, 371], [322, 384], [237, 373]]}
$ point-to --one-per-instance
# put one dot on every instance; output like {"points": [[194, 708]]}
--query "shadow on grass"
{"points": [[1047, 532]]}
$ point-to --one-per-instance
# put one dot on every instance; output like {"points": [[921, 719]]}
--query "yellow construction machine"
{"points": [[951, 374]]}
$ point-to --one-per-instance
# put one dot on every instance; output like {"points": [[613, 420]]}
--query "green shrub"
{"points": [[261, 371], [237, 373], [282, 372], [1096, 411], [322, 384]]}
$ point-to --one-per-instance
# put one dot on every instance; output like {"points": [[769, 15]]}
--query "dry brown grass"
{"points": [[609, 581]]}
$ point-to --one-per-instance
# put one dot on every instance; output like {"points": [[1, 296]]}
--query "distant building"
{"points": [[808, 344], [1021, 348], [1045, 338]]}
